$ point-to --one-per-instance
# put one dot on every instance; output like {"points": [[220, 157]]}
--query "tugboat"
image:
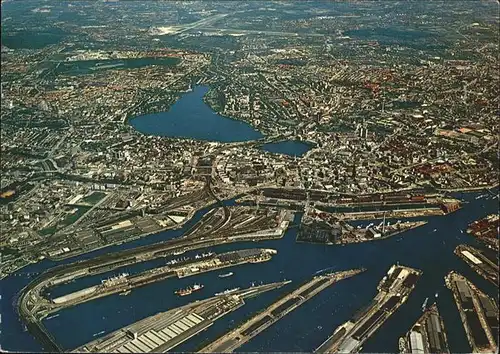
{"points": [[225, 275], [227, 291], [189, 290]]}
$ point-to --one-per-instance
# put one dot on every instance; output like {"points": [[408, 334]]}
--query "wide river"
{"points": [[310, 324]]}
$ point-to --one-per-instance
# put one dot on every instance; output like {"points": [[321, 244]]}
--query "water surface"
{"points": [[190, 117], [310, 324], [291, 148]]}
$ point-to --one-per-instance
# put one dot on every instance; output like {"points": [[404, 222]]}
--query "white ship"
{"points": [[115, 280], [227, 291], [225, 275]]}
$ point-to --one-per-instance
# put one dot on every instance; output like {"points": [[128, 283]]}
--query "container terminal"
{"points": [[125, 282], [166, 330], [321, 227], [486, 230], [427, 335], [236, 338], [393, 290], [478, 312], [480, 262]]}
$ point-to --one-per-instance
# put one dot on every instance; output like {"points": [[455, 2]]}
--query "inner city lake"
{"points": [[190, 117]]}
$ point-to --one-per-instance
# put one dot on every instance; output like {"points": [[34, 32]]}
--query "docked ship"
{"points": [[189, 290], [227, 291], [119, 279], [225, 275]]}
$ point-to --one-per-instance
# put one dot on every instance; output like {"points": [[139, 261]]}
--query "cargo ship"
{"points": [[189, 290], [225, 275], [227, 291]]}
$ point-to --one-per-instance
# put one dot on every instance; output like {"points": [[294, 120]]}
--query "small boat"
{"points": [[434, 230], [176, 253], [227, 291], [51, 317], [226, 275], [125, 293], [189, 290], [436, 295], [97, 334]]}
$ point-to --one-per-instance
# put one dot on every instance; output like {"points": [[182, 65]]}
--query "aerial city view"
{"points": [[249, 176]]}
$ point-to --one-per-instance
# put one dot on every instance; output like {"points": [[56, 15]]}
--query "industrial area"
{"points": [[486, 230], [482, 263], [164, 331], [34, 306], [234, 339], [478, 312], [321, 227], [393, 290], [414, 203], [427, 336]]}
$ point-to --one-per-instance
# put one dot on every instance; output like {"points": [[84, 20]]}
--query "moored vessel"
{"points": [[189, 290]]}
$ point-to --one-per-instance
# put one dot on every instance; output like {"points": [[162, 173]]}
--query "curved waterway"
{"points": [[308, 325]]}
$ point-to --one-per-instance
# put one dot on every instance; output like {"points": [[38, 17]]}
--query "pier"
{"points": [[393, 291], [427, 335], [126, 282], [236, 338], [166, 330], [478, 312], [479, 262]]}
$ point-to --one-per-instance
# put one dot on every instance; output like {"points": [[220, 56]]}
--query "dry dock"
{"points": [[393, 291], [478, 312], [479, 262], [427, 335], [237, 337], [166, 330]]}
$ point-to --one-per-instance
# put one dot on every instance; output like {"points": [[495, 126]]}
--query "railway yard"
{"points": [[164, 331], [427, 335], [234, 339], [482, 263], [478, 312], [393, 291]]}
